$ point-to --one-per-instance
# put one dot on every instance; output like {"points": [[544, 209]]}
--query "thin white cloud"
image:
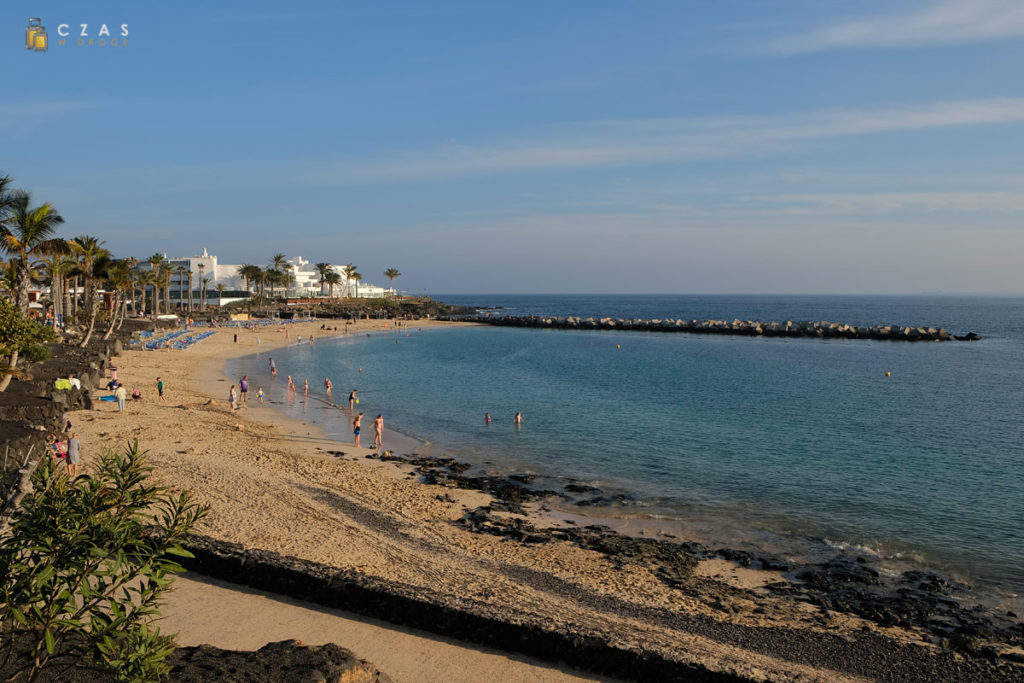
{"points": [[16, 114], [889, 202], [950, 22], [645, 141]]}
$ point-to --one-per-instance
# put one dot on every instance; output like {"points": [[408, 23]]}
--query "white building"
{"points": [[305, 278]]}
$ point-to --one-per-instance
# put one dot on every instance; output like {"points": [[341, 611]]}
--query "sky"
{"points": [[735, 146]]}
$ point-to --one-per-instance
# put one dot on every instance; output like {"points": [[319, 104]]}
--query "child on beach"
{"points": [[231, 398], [160, 390], [356, 428], [259, 394]]}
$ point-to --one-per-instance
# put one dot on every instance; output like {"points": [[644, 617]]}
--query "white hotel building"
{"points": [[305, 279]]}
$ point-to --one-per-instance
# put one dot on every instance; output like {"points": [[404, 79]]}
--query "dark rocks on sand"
{"points": [[289, 660]]}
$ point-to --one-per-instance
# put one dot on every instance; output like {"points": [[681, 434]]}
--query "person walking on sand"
{"points": [[232, 398], [121, 394], [259, 395], [160, 390], [352, 400], [74, 455], [378, 431], [243, 389], [356, 427]]}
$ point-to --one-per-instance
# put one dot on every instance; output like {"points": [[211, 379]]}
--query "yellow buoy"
{"points": [[618, 346], [888, 374]]}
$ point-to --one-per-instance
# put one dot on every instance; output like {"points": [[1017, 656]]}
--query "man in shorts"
{"points": [[243, 388]]}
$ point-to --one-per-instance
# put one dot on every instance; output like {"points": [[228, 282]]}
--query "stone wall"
{"points": [[749, 328]]}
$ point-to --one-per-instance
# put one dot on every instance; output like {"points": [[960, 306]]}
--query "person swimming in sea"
{"points": [[518, 419]]}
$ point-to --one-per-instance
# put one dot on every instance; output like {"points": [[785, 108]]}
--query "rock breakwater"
{"points": [[749, 328]]}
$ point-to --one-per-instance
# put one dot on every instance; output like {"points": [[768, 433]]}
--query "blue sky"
{"points": [[814, 146]]}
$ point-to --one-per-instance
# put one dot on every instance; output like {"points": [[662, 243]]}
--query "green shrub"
{"points": [[84, 568]]}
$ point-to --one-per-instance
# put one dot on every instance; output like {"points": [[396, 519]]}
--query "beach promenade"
{"points": [[278, 484]]}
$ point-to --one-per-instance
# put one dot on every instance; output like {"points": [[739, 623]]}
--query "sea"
{"points": [[910, 453]]}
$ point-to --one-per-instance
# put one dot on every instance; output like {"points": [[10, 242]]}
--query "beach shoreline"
{"points": [[282, 485]]}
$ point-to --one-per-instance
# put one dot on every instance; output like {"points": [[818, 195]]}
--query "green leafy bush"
{"points": [[84, 568]]}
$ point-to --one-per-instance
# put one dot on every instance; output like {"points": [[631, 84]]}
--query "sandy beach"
{"points": [[279, 484]]}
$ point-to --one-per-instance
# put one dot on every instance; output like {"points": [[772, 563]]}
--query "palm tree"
{"points": [[348, 271], [119, 279], [203, 284], [26, 234], [155, 261], [89, 250], [333, 279], [164, 274], [6, 198], [56, 266], [190, 274], [95, 273], [220, 294], [391, 274], [180, 272], [357, 277], [249, 273], [202, 300], [322, 269], [144, 278]]}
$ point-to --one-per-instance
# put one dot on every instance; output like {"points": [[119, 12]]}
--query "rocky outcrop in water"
{"points": [[748, 328]]}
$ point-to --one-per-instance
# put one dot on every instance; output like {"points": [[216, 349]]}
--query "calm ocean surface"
{"points": [[771, 441]]}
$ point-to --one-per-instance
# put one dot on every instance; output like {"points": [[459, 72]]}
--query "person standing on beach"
{"points": [[378, 431], [121, 394], [74, 455], [160, 390], [232, 398], [356, 427], [352, 400], [259, 395], [243, 388]]}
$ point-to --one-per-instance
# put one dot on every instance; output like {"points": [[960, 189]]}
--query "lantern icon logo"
{"points": [[35, 35]]}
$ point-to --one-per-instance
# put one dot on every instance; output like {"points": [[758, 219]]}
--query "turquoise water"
{"points": [[793, 437]]}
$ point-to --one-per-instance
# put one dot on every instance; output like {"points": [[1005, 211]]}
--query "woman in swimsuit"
{"points": [[378, 431]]}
